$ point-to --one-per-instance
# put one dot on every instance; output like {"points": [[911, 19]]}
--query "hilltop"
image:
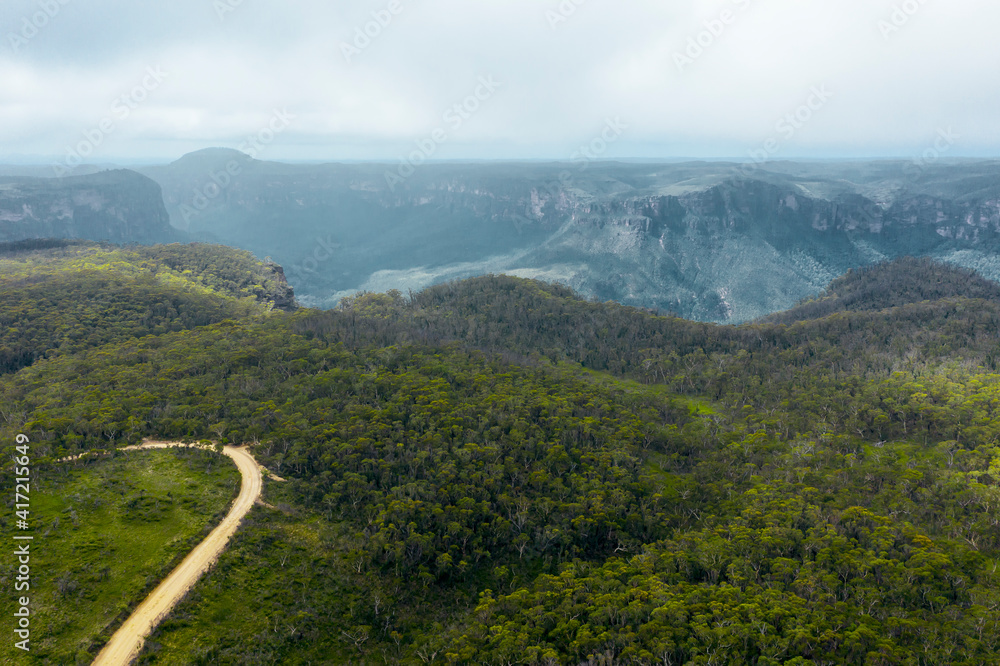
{"points": [[893, 284], [58, 297]]}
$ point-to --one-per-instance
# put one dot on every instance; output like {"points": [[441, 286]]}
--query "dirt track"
{"points": [[124, 646]]}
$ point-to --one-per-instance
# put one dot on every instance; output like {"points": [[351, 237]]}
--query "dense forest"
{"points": [[59, 297], [496, 471]]}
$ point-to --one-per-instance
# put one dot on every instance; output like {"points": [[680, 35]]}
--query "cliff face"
{"points": [[119, 206], [744, 247], [785, 213]]}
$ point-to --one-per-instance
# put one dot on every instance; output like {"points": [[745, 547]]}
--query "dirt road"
{"points": [[124, 646]]}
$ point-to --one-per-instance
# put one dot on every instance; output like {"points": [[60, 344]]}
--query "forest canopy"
{"points": [[496, 471]]}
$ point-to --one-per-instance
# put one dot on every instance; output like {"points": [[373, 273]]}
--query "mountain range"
{"points": [[720, 242]]}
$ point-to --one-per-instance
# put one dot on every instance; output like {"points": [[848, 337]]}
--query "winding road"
{"points": [[126, 643]]}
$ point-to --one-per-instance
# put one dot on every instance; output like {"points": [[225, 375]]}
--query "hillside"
{"points": [[497, 471], [60, 297], [893, 284]]}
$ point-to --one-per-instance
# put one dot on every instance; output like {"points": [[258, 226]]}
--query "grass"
{"points": [[105, 534], [262, 597]]}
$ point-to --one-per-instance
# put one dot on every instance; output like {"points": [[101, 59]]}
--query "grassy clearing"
{"points": [[105, 534], [262, 597]]}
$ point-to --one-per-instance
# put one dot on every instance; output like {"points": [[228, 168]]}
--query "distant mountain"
{"points": [[708, 241], [119, 206], [48, 171]]}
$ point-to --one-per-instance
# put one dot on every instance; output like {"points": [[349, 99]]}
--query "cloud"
{"points": [[566, 66]]}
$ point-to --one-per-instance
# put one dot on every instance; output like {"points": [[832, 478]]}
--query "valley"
{"points": [[709, 241]]}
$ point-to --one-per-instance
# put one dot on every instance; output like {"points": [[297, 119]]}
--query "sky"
{"points": [[104, 81]]}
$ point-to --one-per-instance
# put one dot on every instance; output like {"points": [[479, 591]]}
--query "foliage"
{"points": [[84, 295], [498, 472]]}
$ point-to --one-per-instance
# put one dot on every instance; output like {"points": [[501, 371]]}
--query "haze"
{"points": [[152, 81]]}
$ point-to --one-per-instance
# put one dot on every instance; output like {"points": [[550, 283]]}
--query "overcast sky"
{"points": [[122, 79]]}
